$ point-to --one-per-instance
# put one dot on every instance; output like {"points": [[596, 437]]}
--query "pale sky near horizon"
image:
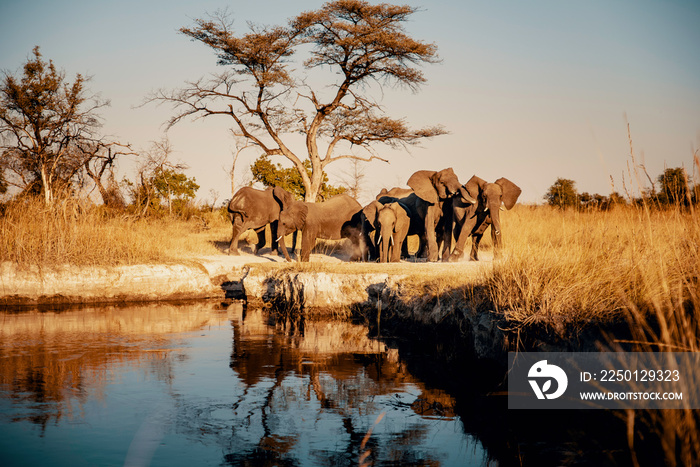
{"points": [[530, 91]]}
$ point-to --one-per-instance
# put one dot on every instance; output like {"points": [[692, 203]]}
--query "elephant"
{"points": [[395, 192], [471, 217], [370, 230], [412, 205], [391, 222], [432, 190], [254, 209], [370, 227], [333, 219]]}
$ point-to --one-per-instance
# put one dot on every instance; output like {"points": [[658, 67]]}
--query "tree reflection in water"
{"points": [[322, 385], [166, 384]]}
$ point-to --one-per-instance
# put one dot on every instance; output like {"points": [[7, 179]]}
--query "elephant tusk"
{"points": [[391, 240], [502, 208], [486, 208], [280, 238]]}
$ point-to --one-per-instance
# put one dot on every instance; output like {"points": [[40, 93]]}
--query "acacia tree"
{"points": [[362, 44], [562, 194], [43, 119]]}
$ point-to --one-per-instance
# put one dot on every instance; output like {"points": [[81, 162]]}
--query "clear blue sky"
{"points": [[530, 91]]}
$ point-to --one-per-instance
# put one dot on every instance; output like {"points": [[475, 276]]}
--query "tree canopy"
{"points": [[162, 183], [562, 194], [265, 92], [270, 174], [674, 187], [675, 190], [45, 123]]}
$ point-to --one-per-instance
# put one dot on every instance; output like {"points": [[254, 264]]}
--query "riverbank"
{"points": [[567, 281], [330, 282], [562, 273], [448, 298], [196, 278]]}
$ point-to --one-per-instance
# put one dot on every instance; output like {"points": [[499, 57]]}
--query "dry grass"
{"points": [[557, 265], [576, 266], [631, 265], [564, 267], [559, 268], [72, 233]]}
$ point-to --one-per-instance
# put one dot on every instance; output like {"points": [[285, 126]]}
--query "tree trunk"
{"points": [[103, 191], [312, 191], [46, 186]]}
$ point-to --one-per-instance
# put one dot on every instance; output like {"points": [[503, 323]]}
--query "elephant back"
{"points": [[249, 201], [343, 202]]}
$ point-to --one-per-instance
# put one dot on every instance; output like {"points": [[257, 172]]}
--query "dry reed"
{"points": [[71, 232], [583, 266]]}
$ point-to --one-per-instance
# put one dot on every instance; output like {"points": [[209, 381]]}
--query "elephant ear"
{"points": [[511, 192], [400, 212], [283, 197], [295, 215], [422, 184], [370, 211], [474, 186], [382, 193], [300, 210]]}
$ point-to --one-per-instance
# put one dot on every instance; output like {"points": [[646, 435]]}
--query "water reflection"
{"points": [[55, 359], [167, 385]]}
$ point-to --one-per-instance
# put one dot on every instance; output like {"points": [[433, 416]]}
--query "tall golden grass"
{"points": [[578, 266], [77, 233], [557, 266], [633, 264]]}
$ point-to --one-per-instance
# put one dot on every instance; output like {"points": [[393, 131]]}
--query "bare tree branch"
{"points": [[267, 100]]}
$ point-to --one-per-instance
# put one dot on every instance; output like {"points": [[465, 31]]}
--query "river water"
{"points": [[195, 384]]}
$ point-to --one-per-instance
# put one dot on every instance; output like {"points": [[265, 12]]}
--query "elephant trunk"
{"points": [[466, 196], [495, 212], [496, 230], [386, 241]]}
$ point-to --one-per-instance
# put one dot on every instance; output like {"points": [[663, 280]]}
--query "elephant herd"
{"points": [[436, 207]]}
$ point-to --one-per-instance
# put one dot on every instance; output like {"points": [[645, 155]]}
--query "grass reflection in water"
{"points": [[193, 385]]}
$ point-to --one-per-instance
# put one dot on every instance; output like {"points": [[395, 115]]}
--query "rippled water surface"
{"points": [[194, 385]]}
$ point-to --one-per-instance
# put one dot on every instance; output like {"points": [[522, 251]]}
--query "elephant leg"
{"points": [[274, 244], [237, 229], [396, 248], [432, 244], [374, 248], [294, 242], [446, 243], [462, 231], [476, 239], [308, 241], [421, 253], [365, 246], [261, 239], [404, 248]]}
